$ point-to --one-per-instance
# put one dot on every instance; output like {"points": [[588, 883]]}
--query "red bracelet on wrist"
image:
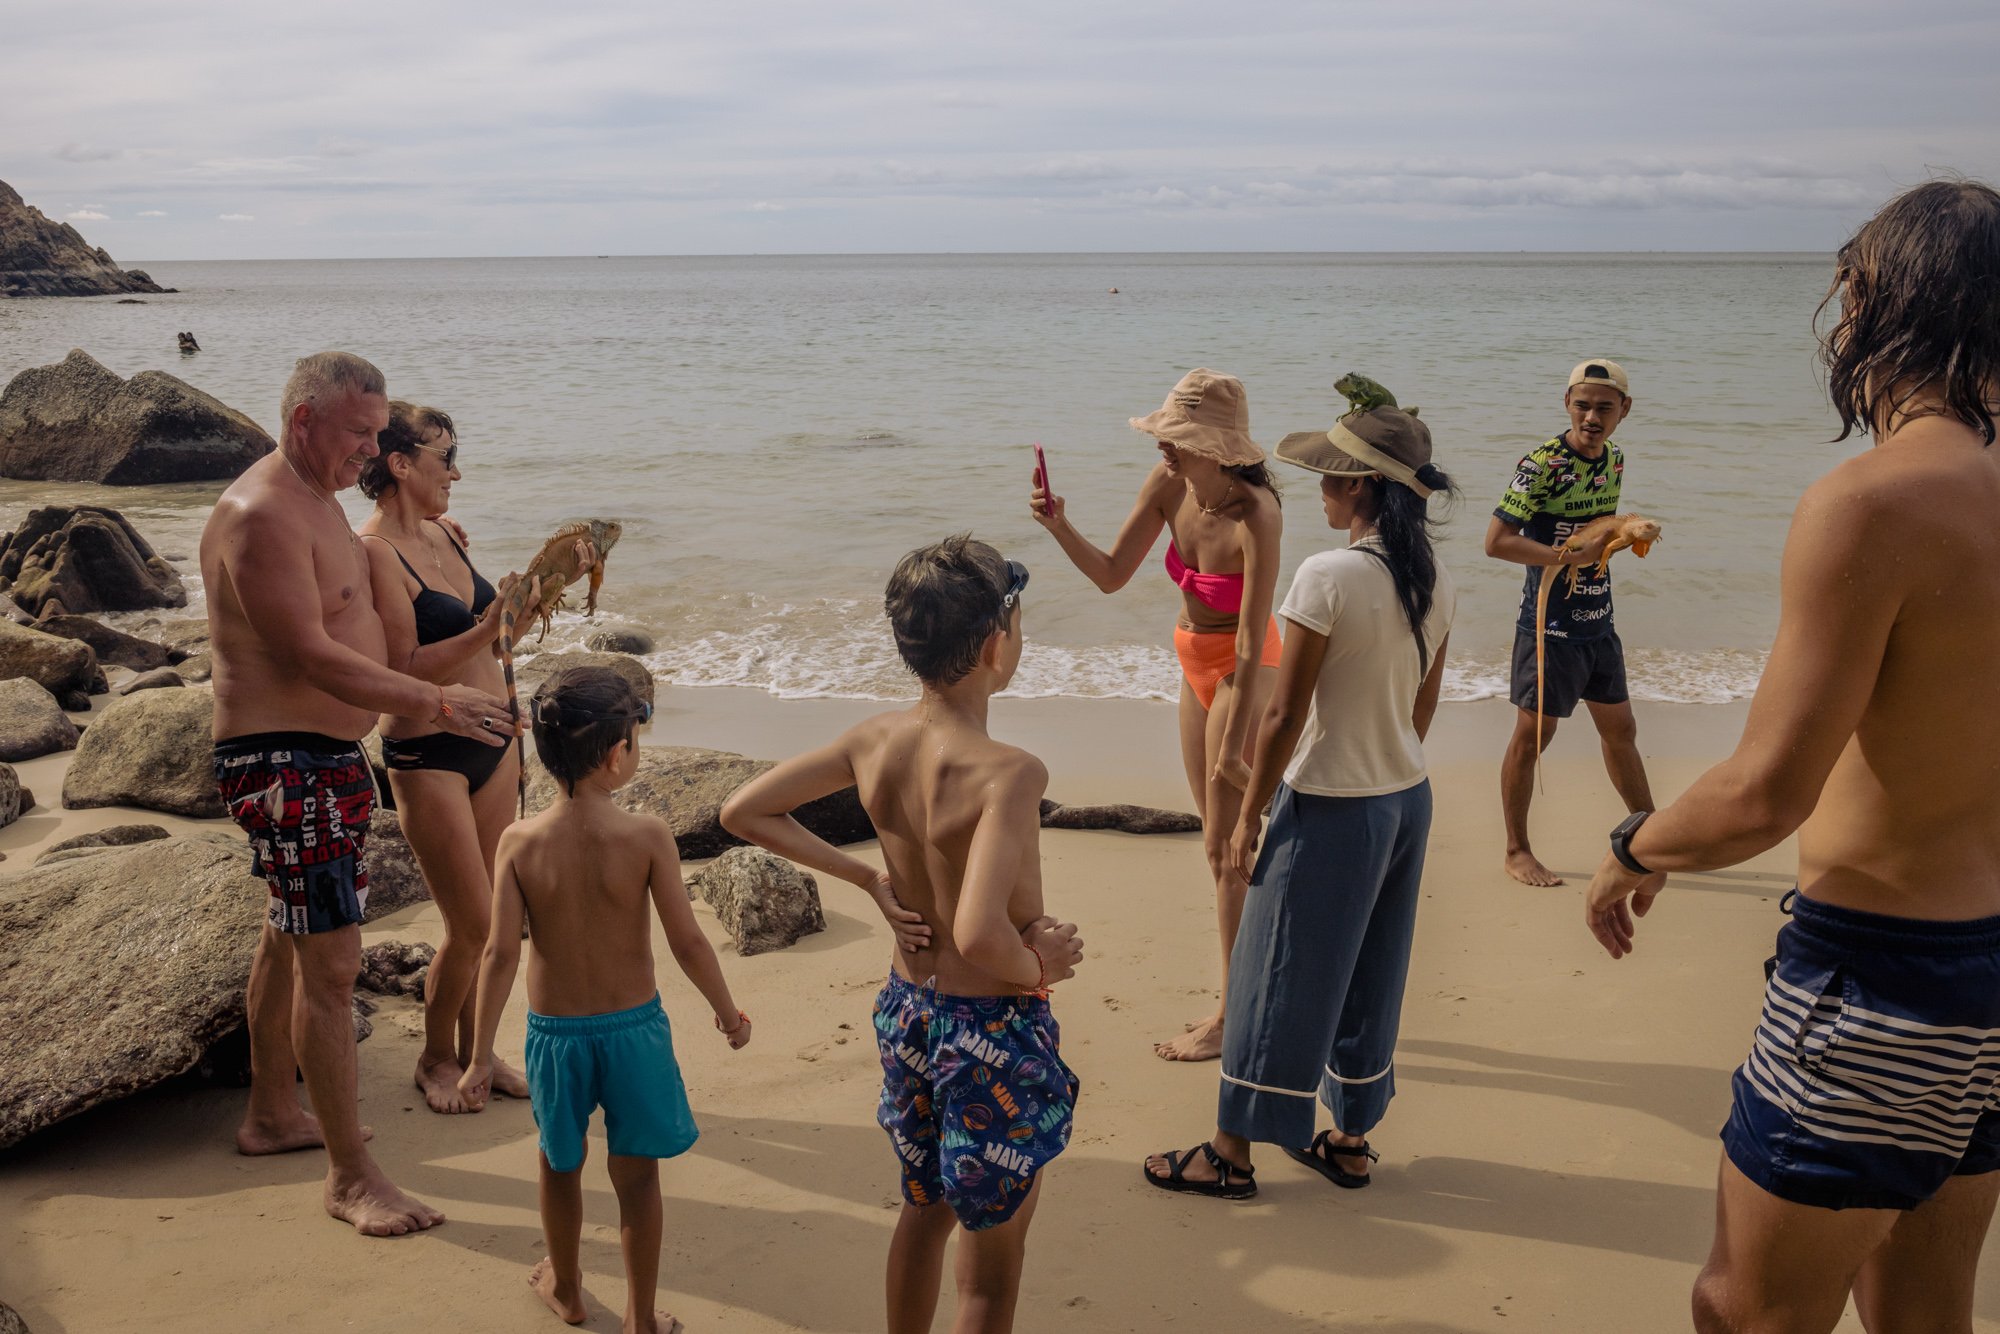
{"points": [[741, 1019], [444, 709]]}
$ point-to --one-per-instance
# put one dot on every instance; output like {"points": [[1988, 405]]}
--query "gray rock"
{"points": [[394, 968], [539, 668], [764, 902], [185, 634], [1120, 816], [60, 666], [686, 786], [31, 722], [77, 421], [154, 751], [197, 669], [226, 1061], [42, 257], [15, 800], [113, 836], [163, 678], [394, 882], [84, 558], [620, 641], [10, 1321], [114, 647], [118, 969]]}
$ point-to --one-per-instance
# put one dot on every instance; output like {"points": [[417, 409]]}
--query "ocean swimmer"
{"points": [[1558, 488], [440, 620], [1212, 492], [299, 680], [1316, 982], [976, 1099], [1862, 1150]]}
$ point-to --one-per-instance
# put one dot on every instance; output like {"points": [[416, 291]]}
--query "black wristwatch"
{"points": [[1621, 843]]}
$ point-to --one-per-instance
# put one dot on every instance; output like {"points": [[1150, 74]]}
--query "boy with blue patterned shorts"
{"points": [[975, 1097]]}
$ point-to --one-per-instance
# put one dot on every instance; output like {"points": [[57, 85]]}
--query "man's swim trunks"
{"points": [[623, 1062], [305, 800], [1875, 1073], [974, 1097]]}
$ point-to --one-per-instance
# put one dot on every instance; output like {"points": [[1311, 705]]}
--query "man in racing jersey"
{"points": [[1557, 489]]}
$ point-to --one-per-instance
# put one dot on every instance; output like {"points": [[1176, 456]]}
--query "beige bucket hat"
{"points": [[1209, 414], [1389, 441]]}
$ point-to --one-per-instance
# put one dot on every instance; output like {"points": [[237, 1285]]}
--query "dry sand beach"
{"points": [[1548, 1163]]}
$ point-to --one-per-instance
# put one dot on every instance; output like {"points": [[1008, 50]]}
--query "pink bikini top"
{"points": [[1218, 592]]}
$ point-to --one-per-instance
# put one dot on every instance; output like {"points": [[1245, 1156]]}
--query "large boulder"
{"points": [[1122, 816], [65, 668], [164, 678], [620, 641], [686, 786], [114, 647], [153, 750], [10, 1321], [15, 801], [118, 969], [31, 722], [533, 671], [78, 421], [111, 836], [764, 902], [81, 558], [394, 968], [394, 882], [42, 257]]}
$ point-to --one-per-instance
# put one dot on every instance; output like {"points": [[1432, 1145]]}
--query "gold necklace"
{"points": [[1211, 511], [327, 501]]}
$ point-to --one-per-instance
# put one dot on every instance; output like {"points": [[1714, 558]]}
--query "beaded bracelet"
{"points": [[741, 1019]]}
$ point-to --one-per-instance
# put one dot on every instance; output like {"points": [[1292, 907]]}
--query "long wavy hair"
{"points": [[1403, 525], [1918, 288]]}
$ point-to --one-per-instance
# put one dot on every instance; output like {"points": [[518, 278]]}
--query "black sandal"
{"points": [[1320, 1159], [1231, 1182]]}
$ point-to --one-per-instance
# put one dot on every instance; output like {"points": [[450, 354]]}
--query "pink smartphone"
{"points": [[1042, 470]]}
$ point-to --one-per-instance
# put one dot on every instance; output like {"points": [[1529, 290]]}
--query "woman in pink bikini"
{"points": [[1213, 493]]}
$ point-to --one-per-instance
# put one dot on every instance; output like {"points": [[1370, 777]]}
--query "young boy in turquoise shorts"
{"points": [[976, 1099], [584, 872]]}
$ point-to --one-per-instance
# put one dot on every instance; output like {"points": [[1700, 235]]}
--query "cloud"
{"points": [[766, 206], [237, 217], [333, 145], [86, 153], [87, 213], [152, 213]]}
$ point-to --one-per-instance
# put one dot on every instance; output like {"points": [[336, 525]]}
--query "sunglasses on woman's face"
{"points": [[449, 453]]}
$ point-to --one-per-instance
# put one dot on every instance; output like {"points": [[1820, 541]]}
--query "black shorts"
{"points": [[1592, 670]]}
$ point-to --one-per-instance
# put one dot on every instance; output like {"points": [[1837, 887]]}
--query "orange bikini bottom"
{"points": [[1208, 658]]}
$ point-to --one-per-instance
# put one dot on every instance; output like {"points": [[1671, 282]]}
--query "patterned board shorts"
{"points": [[974, 1097], [305, 801]]}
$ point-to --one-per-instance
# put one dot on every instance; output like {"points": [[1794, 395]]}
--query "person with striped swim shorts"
{"points": [[1862, 1151]]}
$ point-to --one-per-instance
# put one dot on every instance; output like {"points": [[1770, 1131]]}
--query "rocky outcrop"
{"points": [[394, 968], [10, 1321], [543, 665], [686, 786], [31, 722], [154, 751], [394, 882], [82, 558], [1120, 816], [620, 641], [764, 902], [114, 648], [105, 991], [77, 421], [66, 668], [112, 836], [164, 678], [42, 257], [15, 801]]}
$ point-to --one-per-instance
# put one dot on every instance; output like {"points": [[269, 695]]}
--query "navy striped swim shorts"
{"points": [[1875, 1074]]}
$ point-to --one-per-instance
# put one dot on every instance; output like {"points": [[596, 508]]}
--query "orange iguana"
{"points": [[1625, 530], [575, 550]]}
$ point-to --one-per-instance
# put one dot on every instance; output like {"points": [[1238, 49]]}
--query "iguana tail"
{"points": [[513, 697]]}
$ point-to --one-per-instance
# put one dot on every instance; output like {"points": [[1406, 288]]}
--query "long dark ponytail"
{"points": [[1403, 530]]}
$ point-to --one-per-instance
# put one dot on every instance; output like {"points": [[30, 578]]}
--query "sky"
{"points": [[212, 129]]}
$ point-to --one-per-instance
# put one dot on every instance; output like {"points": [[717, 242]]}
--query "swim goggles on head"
{"points": [[1017, 575], [575, 717]]}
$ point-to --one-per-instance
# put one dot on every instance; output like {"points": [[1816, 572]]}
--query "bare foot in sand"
{"points": [[376, 1208], [1527, 868], [508, 1081], [662, 1322], [1202, 1042], [285, 1135], [438, 1081], [567, 1306]]}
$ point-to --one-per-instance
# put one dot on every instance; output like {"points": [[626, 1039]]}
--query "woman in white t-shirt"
{"points": [[1316, 977]]}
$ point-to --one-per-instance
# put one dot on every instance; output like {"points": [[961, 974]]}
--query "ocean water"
{"points": [[774, 432]]}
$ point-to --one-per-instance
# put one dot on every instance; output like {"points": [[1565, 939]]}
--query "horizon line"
{"points": [[962, 254]]}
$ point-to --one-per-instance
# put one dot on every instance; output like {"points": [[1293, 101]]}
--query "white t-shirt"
{"points": [[1359, 740]]}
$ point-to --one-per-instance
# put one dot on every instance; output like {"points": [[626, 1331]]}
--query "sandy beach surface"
{"points": [[1548, 1162]]}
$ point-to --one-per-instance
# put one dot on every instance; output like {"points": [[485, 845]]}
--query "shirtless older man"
{"points": [[299, 679], [1862, 1152]]}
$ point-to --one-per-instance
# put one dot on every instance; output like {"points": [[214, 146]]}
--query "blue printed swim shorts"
{"points": [[975, 1098], [623, 1062], [1874, 1077]]}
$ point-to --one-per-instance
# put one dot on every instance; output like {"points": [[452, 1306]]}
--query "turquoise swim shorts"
{"points": [[622, 1062]]}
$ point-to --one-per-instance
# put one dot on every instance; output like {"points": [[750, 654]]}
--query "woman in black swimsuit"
{"points": [[454, 794]]}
